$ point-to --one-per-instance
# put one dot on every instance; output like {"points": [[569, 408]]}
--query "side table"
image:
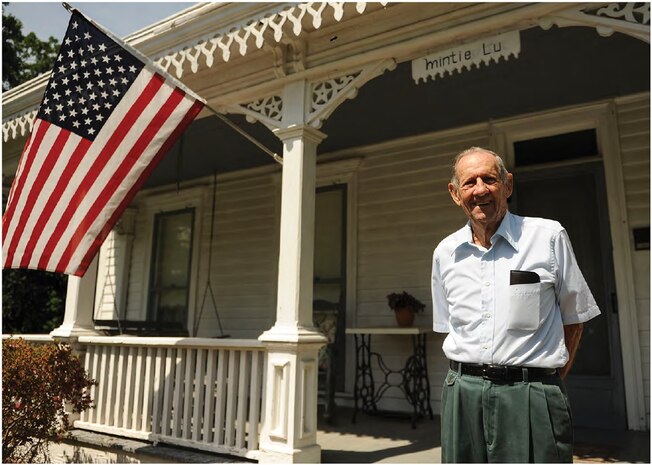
{"points": [[412, 378]]}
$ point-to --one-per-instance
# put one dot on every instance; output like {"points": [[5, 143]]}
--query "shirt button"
{"points": [[485, 347], [487, 283], [486, 315]]}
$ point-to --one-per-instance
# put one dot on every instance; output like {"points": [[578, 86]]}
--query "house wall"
{"points": [[402, 210], [245, 258], [633, 116]]}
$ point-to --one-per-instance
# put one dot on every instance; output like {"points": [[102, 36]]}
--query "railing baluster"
{"points": [[209, 397], [243, 384], [138, 389], [97, 350], [127, 404], [254, 400], [199, 388], [179, 385], [220, 396], [102, 382], [88, 368], [158, 390], [188, 392], [119, 391], [148, 390], [231, 390], [167, 395], [110, 387]]}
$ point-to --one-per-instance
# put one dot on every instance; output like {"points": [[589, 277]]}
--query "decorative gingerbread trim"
{"points": [[631, 18]]}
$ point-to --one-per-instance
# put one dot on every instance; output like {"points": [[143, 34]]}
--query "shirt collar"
{"points": [[505, 230]]}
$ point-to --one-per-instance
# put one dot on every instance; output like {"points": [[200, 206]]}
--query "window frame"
{"points": [[151, 313], [155, 202]]}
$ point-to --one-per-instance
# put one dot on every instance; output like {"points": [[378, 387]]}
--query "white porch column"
{"points": [[289, 431], [80, 300]]}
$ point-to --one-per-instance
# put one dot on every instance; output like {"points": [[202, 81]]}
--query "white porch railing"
{"points": [[193, 392]]}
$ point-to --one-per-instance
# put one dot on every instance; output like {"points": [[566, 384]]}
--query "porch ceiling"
{"points": [[387, 107], [555, 68], [237, 52]]}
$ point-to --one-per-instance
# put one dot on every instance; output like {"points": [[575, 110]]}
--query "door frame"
{"points": [[600, 116], [603, 292], [346, 172]]}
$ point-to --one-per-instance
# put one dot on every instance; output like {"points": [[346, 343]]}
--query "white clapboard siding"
{"points": [[244, 258], [634, 129], [194, 392], [113, 268], [404, 210]]}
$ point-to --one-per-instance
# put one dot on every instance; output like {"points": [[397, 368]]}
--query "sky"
{"points": [[47, 19]]}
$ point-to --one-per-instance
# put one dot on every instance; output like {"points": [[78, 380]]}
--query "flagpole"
{"points": [[274, 155], [242, 132]]}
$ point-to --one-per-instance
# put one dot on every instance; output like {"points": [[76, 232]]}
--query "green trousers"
{"points": [[489, 422]]}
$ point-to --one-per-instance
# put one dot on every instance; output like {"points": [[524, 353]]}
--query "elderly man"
{"points": [[510, 295]]}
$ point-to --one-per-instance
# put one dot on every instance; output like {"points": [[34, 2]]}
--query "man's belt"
{"points": [[503, 372]]}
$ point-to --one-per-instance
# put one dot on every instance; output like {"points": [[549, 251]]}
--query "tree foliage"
{"points": [[38, 381], [33, 302], [24, 56]]}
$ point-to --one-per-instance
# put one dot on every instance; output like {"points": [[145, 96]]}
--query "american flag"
{"points": [[107, 118]]}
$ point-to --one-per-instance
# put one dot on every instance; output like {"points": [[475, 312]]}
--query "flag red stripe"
{"points": [[104, 157], [64, 178], [19, 184], [120, 174], [37, 186], [187, 119]]}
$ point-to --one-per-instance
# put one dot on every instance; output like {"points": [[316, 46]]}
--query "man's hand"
{"points": [[572, 336]]}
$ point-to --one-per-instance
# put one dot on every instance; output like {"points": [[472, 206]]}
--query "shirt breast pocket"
{"points": [[524, 301]]}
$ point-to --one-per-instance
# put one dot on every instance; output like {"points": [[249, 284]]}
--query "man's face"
{"points": [[481, 194]]}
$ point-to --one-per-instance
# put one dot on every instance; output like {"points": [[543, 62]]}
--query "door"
{"points": [[575, 196], [329, 291]]}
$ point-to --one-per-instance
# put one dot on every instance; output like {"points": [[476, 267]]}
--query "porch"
{"points": [[370, 440], [188, 399]]}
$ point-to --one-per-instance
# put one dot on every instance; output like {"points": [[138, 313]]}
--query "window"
{"points": [[556, 148], [170, 269]]}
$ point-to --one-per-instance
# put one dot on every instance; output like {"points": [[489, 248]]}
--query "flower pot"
{"points": [[404, 317]]}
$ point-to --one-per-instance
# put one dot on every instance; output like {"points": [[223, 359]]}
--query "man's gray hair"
{"points": [[500, 164]]}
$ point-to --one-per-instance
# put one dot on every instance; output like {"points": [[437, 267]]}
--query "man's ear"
{"points": [[454, 194], [510, 185]]}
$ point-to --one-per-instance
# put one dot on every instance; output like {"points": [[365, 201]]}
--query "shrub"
{"points": [[37, 382]]}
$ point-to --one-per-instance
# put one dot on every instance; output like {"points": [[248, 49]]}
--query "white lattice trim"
{"points": [[19, 126], [328, 95], [632, 19], [268, 111], [236, 40]]}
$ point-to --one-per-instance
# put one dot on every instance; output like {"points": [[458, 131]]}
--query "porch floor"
{"points": [[374, 439], [371, 439]]}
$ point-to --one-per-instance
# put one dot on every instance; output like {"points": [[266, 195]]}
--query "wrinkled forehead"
{"points": [[477, 164]]}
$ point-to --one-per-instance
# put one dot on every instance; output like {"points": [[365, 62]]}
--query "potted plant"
{"points": [[404, 306]]}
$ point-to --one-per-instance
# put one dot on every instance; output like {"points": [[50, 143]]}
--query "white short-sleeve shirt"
{"points": [[489, 320]]}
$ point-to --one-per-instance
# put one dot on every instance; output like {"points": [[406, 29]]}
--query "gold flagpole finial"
{"points": [[67, 7]]}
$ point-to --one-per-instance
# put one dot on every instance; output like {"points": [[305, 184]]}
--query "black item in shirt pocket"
{"points": [[523, 277]]}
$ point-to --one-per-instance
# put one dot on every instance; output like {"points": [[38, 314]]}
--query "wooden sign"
{"points": [[466, 55]]}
